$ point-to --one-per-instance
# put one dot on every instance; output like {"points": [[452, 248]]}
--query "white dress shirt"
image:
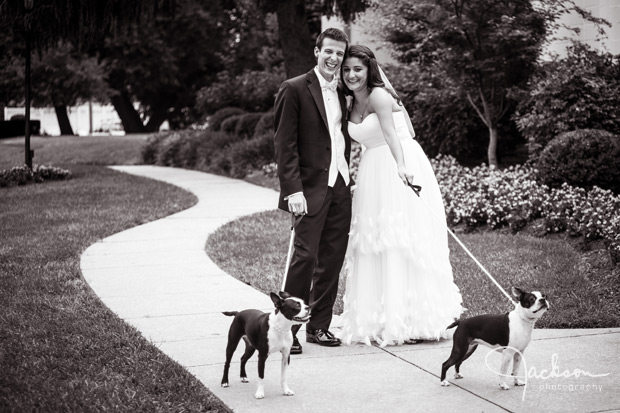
{"points": [[334, 121]]}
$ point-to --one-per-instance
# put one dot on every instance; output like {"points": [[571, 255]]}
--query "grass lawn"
{"points": [[61, 349], [89, 150], [583, 286]]}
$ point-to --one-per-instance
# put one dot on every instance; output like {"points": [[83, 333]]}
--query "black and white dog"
{"points": [[267, 333], [511, 331]]}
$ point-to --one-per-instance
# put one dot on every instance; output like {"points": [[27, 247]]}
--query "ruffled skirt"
{"points": [[399, 283]]}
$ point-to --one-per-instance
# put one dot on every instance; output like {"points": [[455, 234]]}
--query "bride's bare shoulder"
{"points": [[380, 95]]}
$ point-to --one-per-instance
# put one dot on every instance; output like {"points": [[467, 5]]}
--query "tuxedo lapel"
{"points": [[343, 106], [314, 86]]}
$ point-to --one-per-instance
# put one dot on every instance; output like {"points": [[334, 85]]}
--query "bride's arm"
{"points": [[380, 102]]}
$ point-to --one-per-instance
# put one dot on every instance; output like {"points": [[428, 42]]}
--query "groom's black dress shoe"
{"points": [[322, 338], [296, 347]]}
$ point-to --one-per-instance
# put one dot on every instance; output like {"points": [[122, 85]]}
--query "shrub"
{"points": [[215, 121], [208, 151], [229, 125], [248, 155], [583, 158], [265, 124], [252, 90], [22, 175], [151, 148], [246, 124]]}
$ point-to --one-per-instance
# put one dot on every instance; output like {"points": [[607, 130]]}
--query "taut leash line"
{"points": [[417, 189], [294, 222]]}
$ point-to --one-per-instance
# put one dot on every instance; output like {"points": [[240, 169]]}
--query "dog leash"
{"points": [[417, 189], [294, 222]]}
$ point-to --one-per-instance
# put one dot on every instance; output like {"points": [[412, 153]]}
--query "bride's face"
{"points": [[355, 74]]}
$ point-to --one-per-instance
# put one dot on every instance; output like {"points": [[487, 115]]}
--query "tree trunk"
{"points": [[129, 116], [295, 37], [486, 115], [492, 149], [157, 118], [63, 120]]}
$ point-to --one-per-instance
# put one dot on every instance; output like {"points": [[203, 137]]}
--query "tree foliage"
{"points": [[62, 77], [253, 69], [299, 23], [83, 23], [579, 91], [443, 120], [163, 63], [487, 48]]}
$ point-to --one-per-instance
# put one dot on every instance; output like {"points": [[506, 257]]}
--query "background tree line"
{"points": [[469, 71]]}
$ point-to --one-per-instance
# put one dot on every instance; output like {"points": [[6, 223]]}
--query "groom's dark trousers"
{"points": [[303, 153], [320, 246]]}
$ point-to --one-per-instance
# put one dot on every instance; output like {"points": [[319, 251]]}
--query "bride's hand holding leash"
{"points": [[405, 175]]}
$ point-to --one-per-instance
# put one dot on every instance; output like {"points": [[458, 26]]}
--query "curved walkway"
{"points": [[158, 278]]}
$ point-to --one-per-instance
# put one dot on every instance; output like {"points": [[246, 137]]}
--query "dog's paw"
{"points": [[458, 376], [260, 394], [288, 392], [244, 380], [519, 382], [445, 383], [224, 384], [504, 386]]}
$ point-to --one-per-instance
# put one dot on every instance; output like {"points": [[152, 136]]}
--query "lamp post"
{"points": [[28, 6]]}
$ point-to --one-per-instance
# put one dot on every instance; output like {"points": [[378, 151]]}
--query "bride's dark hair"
{"points": [[374, 73]]}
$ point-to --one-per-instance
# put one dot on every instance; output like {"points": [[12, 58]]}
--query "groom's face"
{"points": [[329, 57]]}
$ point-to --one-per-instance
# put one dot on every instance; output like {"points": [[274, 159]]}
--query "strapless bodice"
{"points": [[368, 132]]}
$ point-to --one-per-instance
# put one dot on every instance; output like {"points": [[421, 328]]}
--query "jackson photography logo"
{"points": [[554, 372]]}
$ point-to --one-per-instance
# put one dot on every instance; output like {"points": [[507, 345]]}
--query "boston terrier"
{"points": [[511, 331], [267, 333]]}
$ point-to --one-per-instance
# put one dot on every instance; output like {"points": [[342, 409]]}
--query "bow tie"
{"points": [[333, 85]]}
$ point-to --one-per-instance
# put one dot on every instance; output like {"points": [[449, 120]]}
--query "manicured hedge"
{"points": [[209, 151], [583, 158]]}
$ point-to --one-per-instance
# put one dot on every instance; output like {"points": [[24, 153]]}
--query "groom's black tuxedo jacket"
{"points": [[302, 142]]}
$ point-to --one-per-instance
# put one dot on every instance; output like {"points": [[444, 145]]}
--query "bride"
{"points": [[399, 283]]}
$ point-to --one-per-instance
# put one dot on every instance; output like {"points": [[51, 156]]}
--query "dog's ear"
{"points": [[518, 293], [277, 301], [284, 295]]}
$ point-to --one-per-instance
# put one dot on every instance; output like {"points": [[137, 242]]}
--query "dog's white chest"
{"points": [[520, 331], [279, 335]]}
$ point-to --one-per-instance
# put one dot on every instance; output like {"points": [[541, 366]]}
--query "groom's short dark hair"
{"points": [[334, 34]]}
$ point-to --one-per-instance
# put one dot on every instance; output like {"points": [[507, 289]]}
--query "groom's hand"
{"points": [[297, 204]]}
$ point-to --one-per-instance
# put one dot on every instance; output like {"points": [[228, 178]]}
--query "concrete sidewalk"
{"points": [[158, 278]]}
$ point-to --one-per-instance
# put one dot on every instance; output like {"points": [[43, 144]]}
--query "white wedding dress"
{"points": [[399, 283]]}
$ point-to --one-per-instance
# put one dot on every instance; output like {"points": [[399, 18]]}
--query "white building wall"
{"points": [[588, 33], [365, 31], [104, 119]]}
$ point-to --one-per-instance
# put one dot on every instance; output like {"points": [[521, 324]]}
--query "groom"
{"points": [[312, 147]]}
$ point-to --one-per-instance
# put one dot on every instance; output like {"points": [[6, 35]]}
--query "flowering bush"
{"points": [[21, 175], [487, 196]]}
